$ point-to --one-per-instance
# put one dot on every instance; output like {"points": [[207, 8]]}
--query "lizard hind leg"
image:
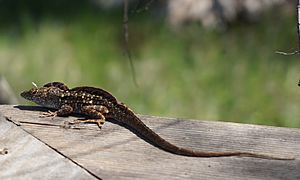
{"points": [[94, 111]]}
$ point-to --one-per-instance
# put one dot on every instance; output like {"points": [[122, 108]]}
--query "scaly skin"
{"points": [[99, 105]]}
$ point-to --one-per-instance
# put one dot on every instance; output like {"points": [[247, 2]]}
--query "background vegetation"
{"points": [[231, 75]]}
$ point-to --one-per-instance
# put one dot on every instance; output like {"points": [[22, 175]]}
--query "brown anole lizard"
{"points": [[98, 105]]}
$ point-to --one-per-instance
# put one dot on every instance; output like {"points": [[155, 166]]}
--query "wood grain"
{"points": [[115, 152], [29, 158]]}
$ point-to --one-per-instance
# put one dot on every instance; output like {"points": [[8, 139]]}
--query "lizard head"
{"points": [[44, 96]]}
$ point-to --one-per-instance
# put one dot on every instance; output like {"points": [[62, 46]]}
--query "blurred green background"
{"points": [[232, 75]]}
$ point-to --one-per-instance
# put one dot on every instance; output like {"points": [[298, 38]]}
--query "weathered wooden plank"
{"points": [[114, 152], [29, 158]]}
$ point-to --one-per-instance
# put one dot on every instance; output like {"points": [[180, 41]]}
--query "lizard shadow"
{"points": [[43, 109], [32, 108]]}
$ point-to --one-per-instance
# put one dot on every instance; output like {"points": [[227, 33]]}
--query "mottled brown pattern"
{"points": [[99, 105]]}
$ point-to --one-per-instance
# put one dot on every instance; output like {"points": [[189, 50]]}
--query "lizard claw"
{"points": [[48, 114]]}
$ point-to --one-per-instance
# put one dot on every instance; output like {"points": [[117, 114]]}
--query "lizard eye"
{"points": [[34, 91]]}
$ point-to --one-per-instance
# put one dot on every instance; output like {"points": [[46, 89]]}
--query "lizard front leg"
{"points": [[64, 110], [93, 111]]}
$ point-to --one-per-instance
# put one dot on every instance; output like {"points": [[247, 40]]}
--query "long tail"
{"points": [[154, 138]]}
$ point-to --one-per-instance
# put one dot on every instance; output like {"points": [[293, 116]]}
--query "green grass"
{"points": [[192, 73]]}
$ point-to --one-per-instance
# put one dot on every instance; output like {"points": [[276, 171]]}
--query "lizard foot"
{"points": [[99, 122], [48, 114]]}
